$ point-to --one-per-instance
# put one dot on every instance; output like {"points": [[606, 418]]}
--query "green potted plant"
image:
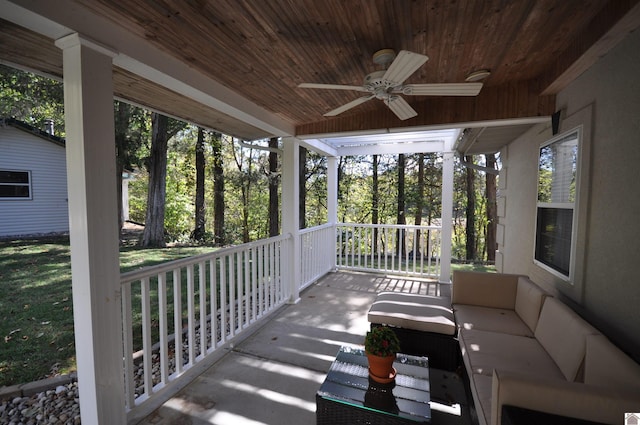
{"points": [[381, 345]]}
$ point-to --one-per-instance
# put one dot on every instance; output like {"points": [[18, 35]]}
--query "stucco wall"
{"points": [[606, 101]]}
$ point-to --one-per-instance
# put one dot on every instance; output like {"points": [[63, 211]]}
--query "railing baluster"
{"points": [[232, 296], [254, 284], [213, 281], [127, 339], [224, 302], [260, 279], [202, 296], [146, 335], [275, 285], [191, 315], [240, 267], [162, 324], [177, 318]]}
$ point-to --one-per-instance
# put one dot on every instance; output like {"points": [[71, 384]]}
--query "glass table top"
{"points": [[407, 397]]}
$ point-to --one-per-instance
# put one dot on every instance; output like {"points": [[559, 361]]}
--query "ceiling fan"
{"points": [[387, 84]]}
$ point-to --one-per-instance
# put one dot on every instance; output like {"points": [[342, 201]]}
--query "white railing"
{"points": [[317, 254], [399, 249], [178, 313]]}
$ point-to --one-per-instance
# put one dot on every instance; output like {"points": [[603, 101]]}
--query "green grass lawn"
{"points": [[36, 307]]}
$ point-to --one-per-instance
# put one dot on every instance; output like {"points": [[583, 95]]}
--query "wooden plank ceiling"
{"points": [[264, 49]]}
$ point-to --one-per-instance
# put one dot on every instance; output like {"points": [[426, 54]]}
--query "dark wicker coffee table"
{"points": [[348, 396]]}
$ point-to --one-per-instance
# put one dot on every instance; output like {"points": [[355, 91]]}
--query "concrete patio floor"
{"points": [[272, 376]]}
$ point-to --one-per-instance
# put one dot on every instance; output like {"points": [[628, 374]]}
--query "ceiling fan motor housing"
{"points": [[376, 84]]}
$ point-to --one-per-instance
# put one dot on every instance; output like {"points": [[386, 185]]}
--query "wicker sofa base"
{"points": [[442, 350]]}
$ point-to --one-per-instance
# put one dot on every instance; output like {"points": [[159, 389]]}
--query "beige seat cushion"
{"points": [[490, 319], [529, 299], [606, 365], [495, 290], [484, 351], [482, 389], [563, 333], [411, 311]]}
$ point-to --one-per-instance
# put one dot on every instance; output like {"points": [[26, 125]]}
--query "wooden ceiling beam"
{"points": [[508, 101], [612, 24]]}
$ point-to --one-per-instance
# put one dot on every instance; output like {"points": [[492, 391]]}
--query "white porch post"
{"points": [[291, 212], [93, 221], [447, 217], [332, 190]]}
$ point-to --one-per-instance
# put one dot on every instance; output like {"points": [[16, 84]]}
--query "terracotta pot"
{"points": [[381, 368]]}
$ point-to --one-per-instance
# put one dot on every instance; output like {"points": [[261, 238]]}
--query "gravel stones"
{"points": [[56, 406]]}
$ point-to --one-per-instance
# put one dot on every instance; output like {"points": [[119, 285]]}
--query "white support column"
{"points": [[332, 204], [447, 217], [93, 221], [291, 212], [332, 190]]}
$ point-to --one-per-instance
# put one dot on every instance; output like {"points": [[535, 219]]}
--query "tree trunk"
{"points": [[153, 235], [341, 165], [375, 205], [471, 212], [401, 218], [274, 207], [218, 190], [199, 229], [122, 118], [303, 187], [492, 209]]}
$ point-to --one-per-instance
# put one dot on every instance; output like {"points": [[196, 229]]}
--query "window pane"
{"points": [[557, 170], [553, 238], [14, 177], [9, 191]]}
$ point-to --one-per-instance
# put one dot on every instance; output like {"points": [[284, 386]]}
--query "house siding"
{"points": [[47, 210], [606, 290]]}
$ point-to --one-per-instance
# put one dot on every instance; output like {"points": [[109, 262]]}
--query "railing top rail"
{"points": [[316, 228], [390, 226], [174, 264]]}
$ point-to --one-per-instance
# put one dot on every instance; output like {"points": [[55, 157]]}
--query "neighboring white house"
{"points": [[33, 181]]}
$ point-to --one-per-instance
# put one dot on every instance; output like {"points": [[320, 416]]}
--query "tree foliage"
{"points": [[240, 185], [31, 98]]}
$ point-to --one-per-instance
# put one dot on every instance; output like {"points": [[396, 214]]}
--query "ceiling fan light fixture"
{"points": [[478, 75]]}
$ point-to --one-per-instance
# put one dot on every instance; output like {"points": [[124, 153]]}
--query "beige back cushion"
{"points": [[495, 290], [562, 334], [606, 365], [529, 298]]}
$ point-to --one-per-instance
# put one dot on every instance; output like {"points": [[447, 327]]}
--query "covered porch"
{"points": [[272, 375], [206, 62]]}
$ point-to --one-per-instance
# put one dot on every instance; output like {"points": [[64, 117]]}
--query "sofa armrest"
{"points": [[494, 290], [560, 397]]}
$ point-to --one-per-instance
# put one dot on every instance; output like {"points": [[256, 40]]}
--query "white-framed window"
{"points": [[15, 184], [558, 180]]}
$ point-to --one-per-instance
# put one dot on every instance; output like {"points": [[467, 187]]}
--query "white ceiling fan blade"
{"points": [[451, 89], [405, 64], [401, 108], [330, 87], [348, 106]]}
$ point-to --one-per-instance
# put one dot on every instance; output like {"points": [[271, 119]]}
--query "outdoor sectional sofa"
{"points": [[528, 356], [526, 349]]}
